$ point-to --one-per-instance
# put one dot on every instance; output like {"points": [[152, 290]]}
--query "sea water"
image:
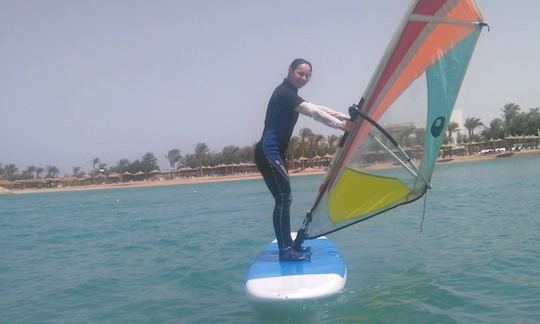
{"points": [[179, 254]]}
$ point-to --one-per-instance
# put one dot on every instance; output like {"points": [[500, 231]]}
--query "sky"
{"points": [[114, 79]]}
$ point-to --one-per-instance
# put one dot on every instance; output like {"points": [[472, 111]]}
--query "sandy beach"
{"points": [[235, 177]]}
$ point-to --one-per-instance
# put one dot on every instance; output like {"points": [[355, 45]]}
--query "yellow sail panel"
{"points": [[357, 194]]}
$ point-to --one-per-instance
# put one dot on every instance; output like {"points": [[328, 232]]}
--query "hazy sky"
{"points": [[116, 79]]}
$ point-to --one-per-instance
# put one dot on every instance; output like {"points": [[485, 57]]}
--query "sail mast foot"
{"points": [[301, 233], [300, 238]]}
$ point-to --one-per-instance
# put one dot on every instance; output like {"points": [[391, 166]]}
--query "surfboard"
{"points": [[324, 275]]}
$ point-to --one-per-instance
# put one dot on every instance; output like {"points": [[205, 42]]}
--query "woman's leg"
{"points": [[277, 181]]}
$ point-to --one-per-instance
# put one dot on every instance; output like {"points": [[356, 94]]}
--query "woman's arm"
{"points": [[324, 115]]}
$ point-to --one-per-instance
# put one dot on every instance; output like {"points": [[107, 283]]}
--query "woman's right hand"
{"points": [[347, 125]]}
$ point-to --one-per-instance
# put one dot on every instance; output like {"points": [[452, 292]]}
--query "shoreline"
{"points": [[252, 176]]}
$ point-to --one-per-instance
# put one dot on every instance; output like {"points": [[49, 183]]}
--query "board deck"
{"points": [[324, 275]]}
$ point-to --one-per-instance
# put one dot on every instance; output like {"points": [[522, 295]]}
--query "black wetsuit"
{"points": [[270, 155]]}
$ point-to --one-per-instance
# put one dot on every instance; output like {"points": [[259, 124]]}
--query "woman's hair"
{"points": [[299, 61]]}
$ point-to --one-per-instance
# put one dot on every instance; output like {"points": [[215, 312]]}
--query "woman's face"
{"points": [[300, 75]]}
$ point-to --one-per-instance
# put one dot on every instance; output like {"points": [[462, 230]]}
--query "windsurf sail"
{"points": [[402, 118]]}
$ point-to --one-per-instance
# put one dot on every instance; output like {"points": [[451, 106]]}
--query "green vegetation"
{"points": [[513, 122]]}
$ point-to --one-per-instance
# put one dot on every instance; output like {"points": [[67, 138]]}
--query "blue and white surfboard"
{"points": [[324, 275]]}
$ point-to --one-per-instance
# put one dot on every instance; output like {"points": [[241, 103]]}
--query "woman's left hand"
{"points": [[347, 125]]}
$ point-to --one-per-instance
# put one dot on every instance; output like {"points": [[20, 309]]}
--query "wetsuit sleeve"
{"points": [[323, 114]]}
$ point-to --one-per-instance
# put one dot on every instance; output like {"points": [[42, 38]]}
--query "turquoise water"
{"points": [[179, 254]]}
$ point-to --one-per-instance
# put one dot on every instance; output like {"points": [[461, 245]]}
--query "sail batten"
{"points": [[432, 19], [411, 95]]}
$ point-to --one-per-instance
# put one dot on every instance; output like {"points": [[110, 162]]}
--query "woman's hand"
{"points": [[347, 125]]}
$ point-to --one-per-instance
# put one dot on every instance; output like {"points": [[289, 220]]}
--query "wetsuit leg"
{"points": [[276, 179]]}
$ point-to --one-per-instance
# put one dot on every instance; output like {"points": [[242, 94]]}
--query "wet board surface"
{"points": [[324, 275]]}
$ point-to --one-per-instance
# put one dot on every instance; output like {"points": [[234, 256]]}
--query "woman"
{"points": [[281, 116]]}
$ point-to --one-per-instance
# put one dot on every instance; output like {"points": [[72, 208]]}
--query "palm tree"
{"points": [[31, 169], [534, 121], [122, 166], [520, 124], [52, 171], [509, 112], [135, 167], [201, 155], [294, 147], [494, 131], [229, 154], [39, 171], [315, 141], [10, 170], [76, 171], [404, 135], [526, 123], [332, 141], [246, 153], [305, 135], [472, 123], [173, 156], [149, 163], [26, 174]]}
